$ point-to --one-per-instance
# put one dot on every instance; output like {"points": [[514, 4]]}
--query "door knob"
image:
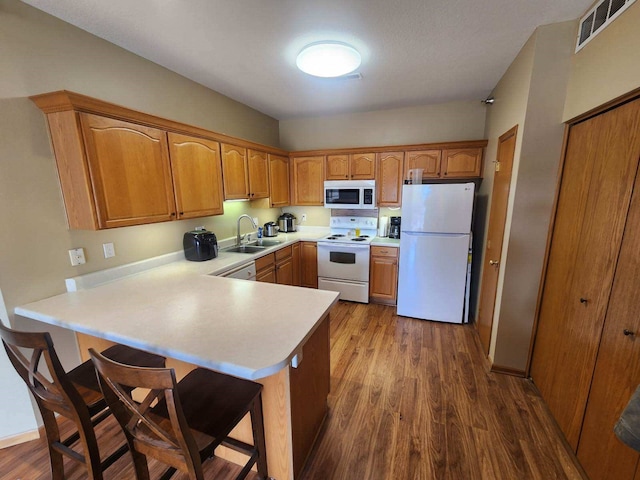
{"points": [[494, 262], [628, 332]]}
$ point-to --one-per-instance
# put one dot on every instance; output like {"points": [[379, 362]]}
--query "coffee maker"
{"points": [[394, 227]]}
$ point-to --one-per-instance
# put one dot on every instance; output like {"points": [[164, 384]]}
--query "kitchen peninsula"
{"points": [[274, 334]]}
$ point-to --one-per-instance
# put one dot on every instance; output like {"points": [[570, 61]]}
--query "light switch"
{"points": [[109, 250]]}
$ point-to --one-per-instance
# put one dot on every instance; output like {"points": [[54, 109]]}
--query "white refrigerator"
{"points": [[435, 240]]}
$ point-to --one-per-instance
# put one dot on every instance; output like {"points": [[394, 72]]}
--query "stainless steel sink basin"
{"points": [[270, 243], [245, 249]]}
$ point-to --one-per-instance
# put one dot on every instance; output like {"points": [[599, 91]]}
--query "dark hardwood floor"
{"points": [[409, 400]]}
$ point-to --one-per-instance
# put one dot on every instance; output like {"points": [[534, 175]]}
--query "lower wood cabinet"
{"points": [[278, 267], [295, 258], [266, 269], [383, 275], [308, 264], [284, 265]]}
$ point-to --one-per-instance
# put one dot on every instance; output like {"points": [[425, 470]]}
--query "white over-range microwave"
{"points": [[350, 194]]}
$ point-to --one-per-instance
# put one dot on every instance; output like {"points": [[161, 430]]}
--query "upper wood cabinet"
{"points": [[358, 166], [362, 166], [197, 175], [308, 180], [258, 174], [129, 172], [428, 160], [120, 167], [389, 180], [279, 181], [235, 172], [461, 162]]}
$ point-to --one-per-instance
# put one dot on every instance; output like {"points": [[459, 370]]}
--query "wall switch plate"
{"points": [[109, 250], [77, 257], [304, 217], [255, 220]]}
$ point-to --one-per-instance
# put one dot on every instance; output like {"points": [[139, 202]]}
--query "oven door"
{"points": [[343, 261]]}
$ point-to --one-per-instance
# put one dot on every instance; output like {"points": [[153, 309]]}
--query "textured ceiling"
{"points": [[415, 52]]}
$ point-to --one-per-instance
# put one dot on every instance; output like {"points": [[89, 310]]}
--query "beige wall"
{"points": [[424, 124], [532, 195], [607, 67], [39, 53]]}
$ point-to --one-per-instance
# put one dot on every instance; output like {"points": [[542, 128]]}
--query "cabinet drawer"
{"points": [[283, 253], [384, 251], [265, 262]]}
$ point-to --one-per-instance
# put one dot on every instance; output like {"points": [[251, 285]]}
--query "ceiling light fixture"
{"points": [[328, 59]]}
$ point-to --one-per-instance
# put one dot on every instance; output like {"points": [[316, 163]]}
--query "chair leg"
{"points": [[139, 462], [90, 447], [257, 425], [53, 437]]}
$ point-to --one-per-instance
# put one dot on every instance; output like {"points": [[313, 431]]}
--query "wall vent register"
{"points": [[598, 18]]}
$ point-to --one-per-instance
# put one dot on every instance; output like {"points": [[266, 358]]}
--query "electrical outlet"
{"points": [[77, 256], [255, 220], [109, 250], [304, 217]]}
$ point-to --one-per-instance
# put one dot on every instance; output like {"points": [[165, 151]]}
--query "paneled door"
{"points": [[598, 175], [495, 236]]}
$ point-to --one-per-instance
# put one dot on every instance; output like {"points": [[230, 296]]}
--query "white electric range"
{"points": [[343, 257]]}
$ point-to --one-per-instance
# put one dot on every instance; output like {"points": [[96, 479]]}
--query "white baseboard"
{"points": [[20, 438]]}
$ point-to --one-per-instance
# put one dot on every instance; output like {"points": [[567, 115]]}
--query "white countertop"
{"points": [[385, 242], [247, 329]]}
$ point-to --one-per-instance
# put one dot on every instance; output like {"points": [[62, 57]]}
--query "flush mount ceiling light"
{"points": [[328, 59]]}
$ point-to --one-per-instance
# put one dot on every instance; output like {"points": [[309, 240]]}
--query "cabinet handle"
{"points": [[583, 301], [181, 213], [628, 333], [173, 214]]}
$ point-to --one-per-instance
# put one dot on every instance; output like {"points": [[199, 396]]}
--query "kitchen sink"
{"points": [[269, 243], [245, 249]]}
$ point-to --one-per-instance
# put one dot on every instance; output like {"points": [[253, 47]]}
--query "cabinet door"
{"points": [[309, 264], [617, 372], [308, 180], [597, 179], [337, 167], [389, 183], [197, 175], [284, 272], [130, 171], [428, 160], [383, 283], [279, 181], [462, 163], [362, 166], [258, 174], [234, 172], [267, 275], [295, 258]]}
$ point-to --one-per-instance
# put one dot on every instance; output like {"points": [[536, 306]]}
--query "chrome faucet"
{"points": [[238, 237]]}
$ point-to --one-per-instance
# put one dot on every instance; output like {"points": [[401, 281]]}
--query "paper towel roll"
{"points": [[383, 226]]}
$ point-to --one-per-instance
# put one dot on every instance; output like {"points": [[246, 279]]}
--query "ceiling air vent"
{"points": [[597, 19]]}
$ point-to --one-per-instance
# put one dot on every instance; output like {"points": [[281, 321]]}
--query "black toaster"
{"points": [[200, 245]]}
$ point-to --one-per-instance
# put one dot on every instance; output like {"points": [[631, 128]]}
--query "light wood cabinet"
{"points": [[462, 163], [279, 181], [258, 166], [308, 180], [129, 172], [428, 160], [235, 173], [586, 358], [284, 266], [309, 264], [266, 268], [337, 167], [390, 167], [383, 275], [197, 175], [357, 166]]}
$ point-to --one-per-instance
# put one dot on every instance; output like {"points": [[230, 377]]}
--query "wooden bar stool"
{"points": [[190, 419], [75, 395]]}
